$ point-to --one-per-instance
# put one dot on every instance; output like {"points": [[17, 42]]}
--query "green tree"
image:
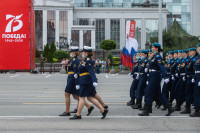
{"points": [[46, 50], [52, 48], [109, 56], [108, 45], [61, 54]]}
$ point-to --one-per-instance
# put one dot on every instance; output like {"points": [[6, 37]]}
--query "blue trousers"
{"points": [[141, 87], [166, 90], [180, 90], [173, 90], [153, 88], [197, 91], [133, 87], [189, 91]]}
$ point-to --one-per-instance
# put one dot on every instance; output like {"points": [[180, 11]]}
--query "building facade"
{"points": [[88, 22]]}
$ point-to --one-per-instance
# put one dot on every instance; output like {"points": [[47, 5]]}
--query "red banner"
{"points": [[132, 29], [15, 32]]}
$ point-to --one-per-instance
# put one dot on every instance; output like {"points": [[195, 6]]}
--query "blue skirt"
{"points": [[71, 86], [87, 90]]}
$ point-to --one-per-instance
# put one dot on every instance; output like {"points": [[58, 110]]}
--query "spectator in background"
{"points": [[97, 66], [63, 63], [42, 61], [108, 64], [103, 65], [120, 65]]}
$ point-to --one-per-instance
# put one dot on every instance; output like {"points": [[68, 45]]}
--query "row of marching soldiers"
{"points": [[81, 84], [181, 74]]}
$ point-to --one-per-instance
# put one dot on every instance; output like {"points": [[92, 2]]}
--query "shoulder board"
{"points": [[157, 55], [88, 58]]}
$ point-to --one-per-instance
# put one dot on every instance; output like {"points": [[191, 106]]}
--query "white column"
{"points": [[44, 28], [122, 33], [143, 32], [81, 39], [70, 24], [93, 36], [107, 28], [57, 29]]}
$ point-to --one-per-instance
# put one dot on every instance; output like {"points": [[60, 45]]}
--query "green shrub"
{"points": [[37, 54], [109, 56], [55, 60], [61, 54]]}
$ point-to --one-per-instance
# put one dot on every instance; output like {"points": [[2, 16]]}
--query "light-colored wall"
{"points": [[59, 3], [195, 17]]}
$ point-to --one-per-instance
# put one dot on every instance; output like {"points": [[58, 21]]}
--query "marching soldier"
{"points": [[181, 83], [134, 75], [72, 69], [87, 82], [190, 82], [142, 79], [197, 85], [156, 68]]}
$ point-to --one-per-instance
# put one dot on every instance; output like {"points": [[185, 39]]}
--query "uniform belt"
{"points": [[190, 76], [83, 74], [168, 73], [153, 70], [182, 74], [197, 72], [69, 73]]}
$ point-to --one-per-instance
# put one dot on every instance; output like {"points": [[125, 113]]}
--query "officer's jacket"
{"points": [[157, 64], [190, 71], [174, 66], [86, 71], [135, 68], [182, 65], [142, 65], [72, 68], [197, 65]]}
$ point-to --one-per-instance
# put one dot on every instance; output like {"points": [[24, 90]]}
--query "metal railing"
{"points": [[119, 5]]}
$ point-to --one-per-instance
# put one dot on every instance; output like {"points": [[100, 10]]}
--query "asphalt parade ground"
{"points": [[32, 102]]}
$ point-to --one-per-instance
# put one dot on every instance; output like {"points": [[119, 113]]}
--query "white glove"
{"points": [[138, 76], [147, 82], [75, 76], [199, 83], [130, 75], [193, 81], [167, 80], [146, 70], [184, 78], [77, 87], [173, 78], [95, 84], [176, 75]]}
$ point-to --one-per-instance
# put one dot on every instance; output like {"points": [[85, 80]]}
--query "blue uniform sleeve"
{"points": [[161, 66], [90, 68]]}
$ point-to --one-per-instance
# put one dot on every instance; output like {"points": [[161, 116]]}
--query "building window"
{"points": [[138, 32], [151, 30], [83, 21], [100, 31], [115, 31], [39, 29], [87, 38], [63, 28], [51, 24], [75, 38]]}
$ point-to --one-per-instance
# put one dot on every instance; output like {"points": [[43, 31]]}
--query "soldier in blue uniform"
{"points": [[156, 68], [134, 84], [197, 85], [167, 86], [87, 82], [72, 68], [181, 83], [142, 70], [190, 82], [173, 77]]}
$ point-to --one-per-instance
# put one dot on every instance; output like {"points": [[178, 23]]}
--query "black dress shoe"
{"points": [[106, 107], [195, 114], [75, 117], [104, 114], [74, 111], [90, 110], [130, 103], [65, 114], [137, 106]]}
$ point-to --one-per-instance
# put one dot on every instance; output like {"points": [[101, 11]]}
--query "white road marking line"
{"points": [[107, 76], [48, 76], [107, 117], [14, 76]]}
